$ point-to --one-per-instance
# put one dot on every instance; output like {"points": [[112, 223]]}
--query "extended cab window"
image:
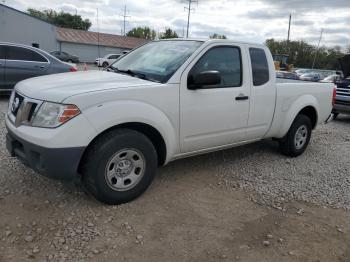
{"points": [[23, 54], [224, 59], [260, 67], [2, 52]]}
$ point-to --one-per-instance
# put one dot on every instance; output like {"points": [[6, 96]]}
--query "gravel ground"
{"points": [[244, 204], [320, 176]]}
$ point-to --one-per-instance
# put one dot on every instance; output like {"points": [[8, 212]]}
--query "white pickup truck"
{"points": [[163, 101]]}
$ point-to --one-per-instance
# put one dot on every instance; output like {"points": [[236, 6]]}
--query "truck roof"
{"points": [[212, 40]]}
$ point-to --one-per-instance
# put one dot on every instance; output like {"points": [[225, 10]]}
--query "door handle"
{"points": [[41, 67], [242, 97]]}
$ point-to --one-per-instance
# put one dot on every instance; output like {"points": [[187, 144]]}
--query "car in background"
{"points": [[331, 79], [19, 62], [342, 99], [301, 72], [65, 57], [107, 60], [314, 77], [286, 75]]}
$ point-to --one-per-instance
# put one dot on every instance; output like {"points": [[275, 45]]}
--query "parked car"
{"points": [[19, 62], [342, 99], [65, 57], [165, 100], [107, 60], [331, 79], [300, 72], [314, 77], [286, 75]]}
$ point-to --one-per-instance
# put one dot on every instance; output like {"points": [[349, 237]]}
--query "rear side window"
{"points": [[260, 67], [2, 52], [224, 59], [23, 54]]}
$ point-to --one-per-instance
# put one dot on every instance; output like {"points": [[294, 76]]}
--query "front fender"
{"points": [[110, 114]]}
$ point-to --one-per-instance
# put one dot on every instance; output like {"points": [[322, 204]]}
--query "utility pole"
{"points": [[189, 9], [98, 36], [124, 18], [318, 46], [290, 19]]}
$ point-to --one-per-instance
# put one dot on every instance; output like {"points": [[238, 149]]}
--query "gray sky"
{"points": [[253, 20]]}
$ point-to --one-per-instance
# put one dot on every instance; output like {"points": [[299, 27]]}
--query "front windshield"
{"points": [[157, 61]]}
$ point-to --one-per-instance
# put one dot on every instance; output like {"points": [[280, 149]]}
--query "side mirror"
{"points": [[206, 79]]}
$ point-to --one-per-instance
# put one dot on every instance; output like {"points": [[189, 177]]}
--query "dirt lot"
{"points": [[242, 204]]}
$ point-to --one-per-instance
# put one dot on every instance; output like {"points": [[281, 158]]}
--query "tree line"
{"points": [[301, 54]]}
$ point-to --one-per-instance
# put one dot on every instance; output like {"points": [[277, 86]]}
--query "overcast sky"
{"points": [[253, 20]]}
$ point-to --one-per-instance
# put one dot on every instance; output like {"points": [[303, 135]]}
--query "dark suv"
{"points": [[342, 100]]}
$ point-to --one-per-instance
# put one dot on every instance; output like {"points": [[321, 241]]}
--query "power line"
{"points": [[189, 9], [124, 18]]}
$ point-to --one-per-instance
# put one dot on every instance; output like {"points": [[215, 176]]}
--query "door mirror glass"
{"points": [[204, 79]]}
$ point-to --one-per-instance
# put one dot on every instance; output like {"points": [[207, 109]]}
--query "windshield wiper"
{"points": [[130, 72], [134, 73]]}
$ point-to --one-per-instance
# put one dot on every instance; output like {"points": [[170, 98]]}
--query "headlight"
{"points": [[10, 102], [51, 115]]}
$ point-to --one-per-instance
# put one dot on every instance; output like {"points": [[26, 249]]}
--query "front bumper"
{"points": [[344, 109], [56, 163]]}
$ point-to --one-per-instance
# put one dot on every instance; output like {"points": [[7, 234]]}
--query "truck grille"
{"points": [[22, 109], [343, 89]]}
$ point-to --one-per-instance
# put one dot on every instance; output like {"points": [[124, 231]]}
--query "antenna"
{"points": [[189, 9]]}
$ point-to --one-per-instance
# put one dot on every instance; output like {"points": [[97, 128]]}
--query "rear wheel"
{"points": [[298, 137], [119, 166]]}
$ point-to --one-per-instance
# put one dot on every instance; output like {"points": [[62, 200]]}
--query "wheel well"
{"points": [[149, 131], [311, 113]]}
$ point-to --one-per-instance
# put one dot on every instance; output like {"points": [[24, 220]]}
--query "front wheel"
{"points": [[298, 137], [104, 64], [119, 166]]}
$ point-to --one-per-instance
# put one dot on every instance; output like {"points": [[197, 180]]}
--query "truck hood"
{"points": [[345, 65], [57, 87]]}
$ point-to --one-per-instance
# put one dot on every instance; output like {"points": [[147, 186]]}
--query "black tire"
{"points": [[70, 61], [99, 155], [335, 115], [288, 145], [105, 64]]}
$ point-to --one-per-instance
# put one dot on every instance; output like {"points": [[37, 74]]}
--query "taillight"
{"points": [[73, 69], [334, 95]]}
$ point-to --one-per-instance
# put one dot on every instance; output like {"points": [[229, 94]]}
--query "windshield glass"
{"points": [[157, 61]]}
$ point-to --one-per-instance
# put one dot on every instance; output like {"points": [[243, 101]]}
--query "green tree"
{"points": [[301, 54], [61, 19], [142, 32], [217, 36], [168, 34]]}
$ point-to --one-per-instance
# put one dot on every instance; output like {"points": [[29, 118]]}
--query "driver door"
{"points": [[215, 116]]}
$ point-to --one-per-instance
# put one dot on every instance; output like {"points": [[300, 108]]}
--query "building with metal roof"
{"points": [[20, 27]]}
